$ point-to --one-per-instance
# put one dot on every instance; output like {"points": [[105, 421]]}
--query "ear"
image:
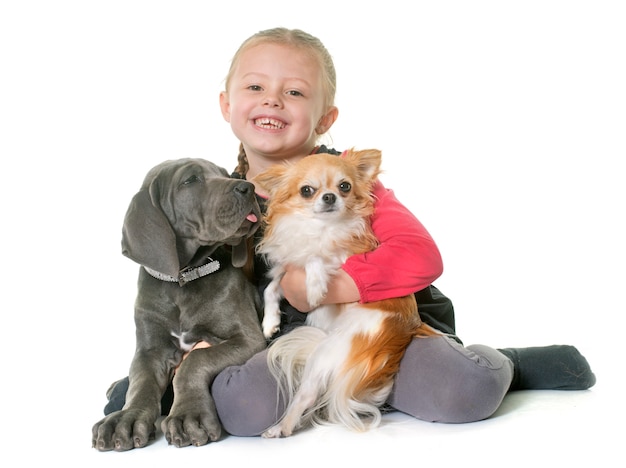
{"points": [[367, 161], [327, 121], [147, 237], [270, 179], [239, 253], [225, 106]]}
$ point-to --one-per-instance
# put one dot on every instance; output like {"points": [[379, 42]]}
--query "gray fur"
{"points": [[184, 211]]}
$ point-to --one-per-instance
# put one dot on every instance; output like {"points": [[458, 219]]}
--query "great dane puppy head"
{"points": [[184, 205]]}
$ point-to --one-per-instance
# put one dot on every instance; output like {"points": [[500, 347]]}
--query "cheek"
{"points": [[237, 109], [306, 119]]}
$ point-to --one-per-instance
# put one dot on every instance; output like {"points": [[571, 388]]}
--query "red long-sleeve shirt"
{"points": [[407, 259]]}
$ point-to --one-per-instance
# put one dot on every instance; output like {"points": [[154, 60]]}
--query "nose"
{"points": [[329, 198], [244, 189], [272, 99]]}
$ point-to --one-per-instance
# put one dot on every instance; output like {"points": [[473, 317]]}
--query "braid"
{"points": [[242, 162]]}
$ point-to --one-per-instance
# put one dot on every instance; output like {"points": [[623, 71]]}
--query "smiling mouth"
{"points": [[270, 124]]}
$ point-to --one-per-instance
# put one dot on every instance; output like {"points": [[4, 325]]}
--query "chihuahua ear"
{"points": [[367, 161], [270, 179]]}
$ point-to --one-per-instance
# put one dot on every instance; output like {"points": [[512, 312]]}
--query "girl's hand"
{"points": [[341, 289]]}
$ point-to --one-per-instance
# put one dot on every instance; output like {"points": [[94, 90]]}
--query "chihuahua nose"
{"points": [[329, 198]]}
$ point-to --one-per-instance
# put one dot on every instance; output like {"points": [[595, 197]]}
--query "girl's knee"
{"points": [[441, 381], [476, 393], [246, 398]]}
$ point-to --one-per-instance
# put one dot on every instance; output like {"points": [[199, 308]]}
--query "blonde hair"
{"points": [[300, 40]]}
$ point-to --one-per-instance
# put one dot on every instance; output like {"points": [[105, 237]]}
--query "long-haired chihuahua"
{"points": [[340, 366]]}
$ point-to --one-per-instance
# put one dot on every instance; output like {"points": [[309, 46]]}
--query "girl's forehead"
{"points": [[268, 55]]}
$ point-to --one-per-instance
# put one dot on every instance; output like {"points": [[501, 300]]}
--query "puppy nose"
{"points": [[243, 188], [329, 198]]}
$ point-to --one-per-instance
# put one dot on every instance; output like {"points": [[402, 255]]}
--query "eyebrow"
{"points": [[249, 75]]}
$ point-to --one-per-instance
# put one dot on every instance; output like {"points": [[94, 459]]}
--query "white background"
{"points": [[502, 126]]}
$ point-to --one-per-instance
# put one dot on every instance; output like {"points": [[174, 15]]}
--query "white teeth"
{"points": [[269, 123]]}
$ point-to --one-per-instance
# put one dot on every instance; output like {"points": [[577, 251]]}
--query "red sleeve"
{"points": [[407, 259]]}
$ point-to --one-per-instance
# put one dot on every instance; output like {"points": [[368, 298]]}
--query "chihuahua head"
{"points": [[323, 186]]}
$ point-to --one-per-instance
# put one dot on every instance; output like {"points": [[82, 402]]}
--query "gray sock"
{"points": [[557, 367]]}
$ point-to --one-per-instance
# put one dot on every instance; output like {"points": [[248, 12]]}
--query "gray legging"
{"points": [[439, 380]]}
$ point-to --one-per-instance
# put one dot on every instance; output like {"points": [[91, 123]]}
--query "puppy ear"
{"points": [[147, 237], [270, 179], [239, 254], [367, 161]]}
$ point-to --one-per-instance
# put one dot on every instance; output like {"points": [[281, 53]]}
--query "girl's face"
{"points": [[275, 102]]}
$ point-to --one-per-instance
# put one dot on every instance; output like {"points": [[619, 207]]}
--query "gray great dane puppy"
{"points": [[188, 228]]}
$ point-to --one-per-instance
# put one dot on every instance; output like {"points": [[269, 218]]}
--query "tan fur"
{"points": [[378, 332], [282, 182]]}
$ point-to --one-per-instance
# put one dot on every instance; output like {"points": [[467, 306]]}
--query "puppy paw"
{"points": [[317, 278], [123, 430], [275, 432], [315, 296], [271, 321], [270, 327], [195, 428]]}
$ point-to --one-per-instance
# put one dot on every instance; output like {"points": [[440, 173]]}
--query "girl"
{"points": [[279, 99]]}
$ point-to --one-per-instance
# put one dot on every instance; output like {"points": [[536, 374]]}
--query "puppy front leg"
{"points": [[271, 314], [134, 425], [193, 418], [317, 279]]}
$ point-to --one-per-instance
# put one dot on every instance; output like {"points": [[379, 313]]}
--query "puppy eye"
{"points": [[191, 180], [345, 187], [307, 191]]}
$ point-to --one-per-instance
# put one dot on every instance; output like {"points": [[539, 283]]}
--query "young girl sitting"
{"points": [[279, 99]]}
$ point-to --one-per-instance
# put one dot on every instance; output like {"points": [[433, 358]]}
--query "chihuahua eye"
{"points": [[307, 191], [191, 180], [345, 187]]}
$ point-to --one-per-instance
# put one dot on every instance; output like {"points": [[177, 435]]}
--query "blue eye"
{"points": [[307, 191]]}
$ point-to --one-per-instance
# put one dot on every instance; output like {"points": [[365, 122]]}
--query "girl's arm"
{"points": [[341, 289], [407, 260]]}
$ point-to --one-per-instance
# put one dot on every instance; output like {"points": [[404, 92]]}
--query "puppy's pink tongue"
{"points": [[252, 218]]}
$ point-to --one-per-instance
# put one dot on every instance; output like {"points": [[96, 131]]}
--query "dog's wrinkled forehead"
{"points": [[201, 169], [164, 179], [179, 170]]}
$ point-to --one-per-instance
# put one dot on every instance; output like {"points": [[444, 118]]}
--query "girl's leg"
{"points": [[247, 397], [441, 381], [556, 367], [116, 395]]}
